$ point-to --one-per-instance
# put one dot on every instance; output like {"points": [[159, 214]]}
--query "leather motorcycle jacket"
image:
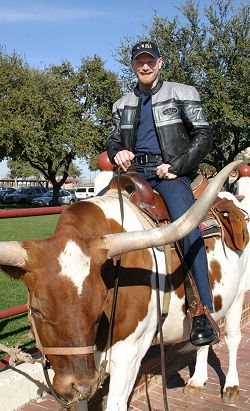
{"points": [[182, 130]]}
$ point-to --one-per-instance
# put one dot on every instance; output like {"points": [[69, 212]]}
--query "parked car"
{"points": [[84, 192], [5, 191], [24, 195], [71, 191], [64, 198]]}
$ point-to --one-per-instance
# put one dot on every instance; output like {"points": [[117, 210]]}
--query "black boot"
{"points": [[202, 332]]}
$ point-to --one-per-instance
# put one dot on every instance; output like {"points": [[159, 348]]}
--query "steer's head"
{"points": [[67, 295]]}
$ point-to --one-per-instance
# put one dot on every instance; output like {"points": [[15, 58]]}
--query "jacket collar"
{"points": [[151, 91]]}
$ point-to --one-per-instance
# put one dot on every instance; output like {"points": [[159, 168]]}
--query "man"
{"points": [[160, 127]]}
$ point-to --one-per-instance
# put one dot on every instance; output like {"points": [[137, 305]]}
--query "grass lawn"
{"points": [[15, 330]]}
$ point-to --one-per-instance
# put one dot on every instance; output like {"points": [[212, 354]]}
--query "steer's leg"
{"points": [[123, 373], [125, 362], [232, 339], [195, 383]]}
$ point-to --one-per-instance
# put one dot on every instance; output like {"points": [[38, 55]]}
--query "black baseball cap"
{"points": [[145, 47]]}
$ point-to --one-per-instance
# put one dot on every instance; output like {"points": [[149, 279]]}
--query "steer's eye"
{"points": [[39, 315]]}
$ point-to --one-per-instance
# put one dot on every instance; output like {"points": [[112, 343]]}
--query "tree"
{"points": [[209, 50], [227, 82], [49, 117], [100, 89], [20, 168], [12, 76]]}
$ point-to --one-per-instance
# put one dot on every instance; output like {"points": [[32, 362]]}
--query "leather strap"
{"points": [[167, 295], [193, 298], [148, 158], [160, 322], [192, 293], [91, 349]]}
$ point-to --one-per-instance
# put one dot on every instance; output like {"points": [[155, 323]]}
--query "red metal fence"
{"points": [[11, 312], [29, 212]]}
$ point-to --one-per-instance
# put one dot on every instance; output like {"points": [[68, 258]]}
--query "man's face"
{"points": [[146, 69]]}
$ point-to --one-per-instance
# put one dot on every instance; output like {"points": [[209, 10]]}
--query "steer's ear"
{"points": [[14, 272]]}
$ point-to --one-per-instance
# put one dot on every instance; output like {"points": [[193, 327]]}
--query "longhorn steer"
{"points": [[70, 279]]}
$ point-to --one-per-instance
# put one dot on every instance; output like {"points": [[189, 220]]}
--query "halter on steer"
{"points": [[91, 349]]}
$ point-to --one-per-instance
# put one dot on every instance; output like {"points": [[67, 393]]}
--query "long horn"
{"points": [[119, 243], [12, 253]]}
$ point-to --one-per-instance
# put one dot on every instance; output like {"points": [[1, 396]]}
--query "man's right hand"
{"points": [[123, 159]]}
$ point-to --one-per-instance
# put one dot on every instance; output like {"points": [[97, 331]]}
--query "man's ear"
{"points": [[160, 62]]}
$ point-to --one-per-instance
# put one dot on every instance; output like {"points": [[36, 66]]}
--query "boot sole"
{"points": [[205, 341]]}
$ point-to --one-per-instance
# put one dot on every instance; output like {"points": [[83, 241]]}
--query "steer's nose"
{"points": [[85, 391]]}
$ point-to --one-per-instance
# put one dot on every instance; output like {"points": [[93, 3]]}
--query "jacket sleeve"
{"points": [[114, 140], [200, 138]]}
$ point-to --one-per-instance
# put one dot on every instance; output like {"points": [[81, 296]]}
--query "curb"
{"points": [[21, 384]]}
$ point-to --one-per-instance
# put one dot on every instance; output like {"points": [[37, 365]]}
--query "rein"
{"points": [[163, 368], [160, 322], [116, 286]]}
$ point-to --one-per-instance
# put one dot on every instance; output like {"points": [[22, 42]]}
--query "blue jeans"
{"points": [[178, 197]]}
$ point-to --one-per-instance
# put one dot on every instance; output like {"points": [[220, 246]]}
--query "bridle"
{"points": [[91, 349]]}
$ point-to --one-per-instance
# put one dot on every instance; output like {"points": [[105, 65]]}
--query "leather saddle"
{"points": [[145, 198], [224, 218]]}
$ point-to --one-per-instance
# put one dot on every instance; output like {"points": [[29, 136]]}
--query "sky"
{"points": [[46, 32]]}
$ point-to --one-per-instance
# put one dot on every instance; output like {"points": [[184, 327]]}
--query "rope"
{"points": [[17, 355]]}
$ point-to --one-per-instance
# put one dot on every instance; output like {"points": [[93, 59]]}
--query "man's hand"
{"points": [[123, 159], [162, 172]]}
